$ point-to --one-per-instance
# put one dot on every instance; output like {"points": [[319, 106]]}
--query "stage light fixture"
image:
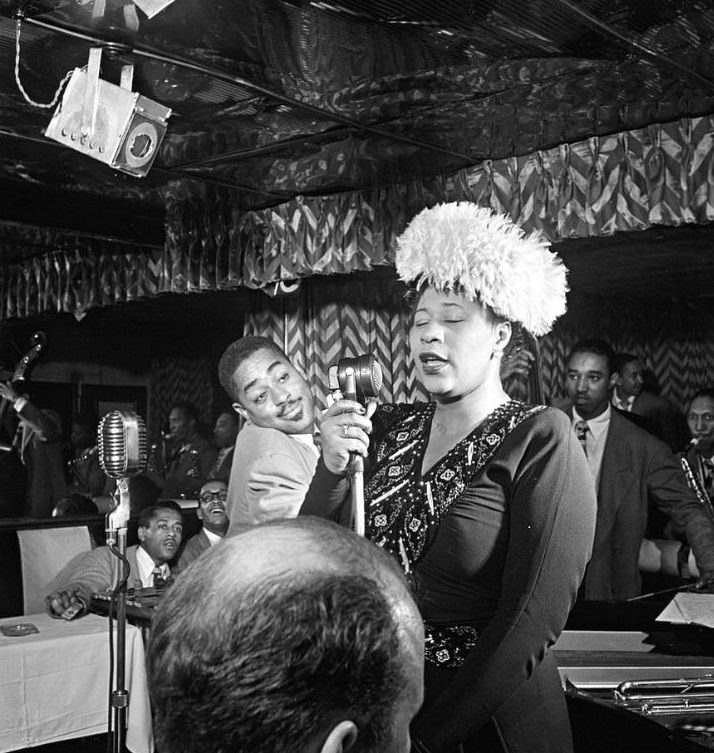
{"points": [[110, 123]]}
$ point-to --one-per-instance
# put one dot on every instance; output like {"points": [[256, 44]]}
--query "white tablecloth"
{"points": [[54, 684]]}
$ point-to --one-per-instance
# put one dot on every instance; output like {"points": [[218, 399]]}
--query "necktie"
{"points": [[159, 580], [581, 429]]}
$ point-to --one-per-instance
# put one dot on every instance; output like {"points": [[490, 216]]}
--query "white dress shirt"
{"points": [[595, 440], [213, 538], [622, 404], [309, 440], [146, 568]]}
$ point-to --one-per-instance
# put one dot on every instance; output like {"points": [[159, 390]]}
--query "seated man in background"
{"points": [[629, 467], [160, 530], [224, 436], [211, 511], [293, 636], [187, 458], [275, 455], [659, 416]]}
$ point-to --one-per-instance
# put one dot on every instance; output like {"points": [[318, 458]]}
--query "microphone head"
{"points": [[367, 375], [121, 441]]}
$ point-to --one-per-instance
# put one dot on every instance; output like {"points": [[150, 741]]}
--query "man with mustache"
{"points": [[212, 511], [275, 456], [160, 530]]}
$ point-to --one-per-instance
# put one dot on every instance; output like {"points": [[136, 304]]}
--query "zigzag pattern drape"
{"points": [[627, 181], [175, 380], [325, 321]]}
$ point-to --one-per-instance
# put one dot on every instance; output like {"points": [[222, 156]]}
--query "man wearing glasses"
{"points": [[212, 511]]}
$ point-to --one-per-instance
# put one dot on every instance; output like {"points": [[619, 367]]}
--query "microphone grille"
{"points": [[376, 376], [121, 443]]}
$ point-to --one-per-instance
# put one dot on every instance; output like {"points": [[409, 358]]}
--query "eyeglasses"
{"points": [[221, 495]]}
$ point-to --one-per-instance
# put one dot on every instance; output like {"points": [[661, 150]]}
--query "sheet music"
{"points": [[689, 608]]}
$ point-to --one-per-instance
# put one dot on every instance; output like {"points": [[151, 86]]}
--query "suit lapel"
{"points": [[613, 475]]}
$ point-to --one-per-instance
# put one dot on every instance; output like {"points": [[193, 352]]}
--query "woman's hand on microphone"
{"points": [[344, 429]]}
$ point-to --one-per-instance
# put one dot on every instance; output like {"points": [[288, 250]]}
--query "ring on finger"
{"points": [[345, 430]]}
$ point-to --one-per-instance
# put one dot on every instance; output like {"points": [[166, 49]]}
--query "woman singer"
{"points": [[485, 501]]}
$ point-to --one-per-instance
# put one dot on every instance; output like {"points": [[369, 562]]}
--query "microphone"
{"points": [[356, 378], [121, 442]]}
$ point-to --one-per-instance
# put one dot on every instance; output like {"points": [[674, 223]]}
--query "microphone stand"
{"points": [[356, 468], [116, 527]]}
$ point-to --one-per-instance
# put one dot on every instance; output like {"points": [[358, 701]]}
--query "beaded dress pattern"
{"points": [[405, 507]]}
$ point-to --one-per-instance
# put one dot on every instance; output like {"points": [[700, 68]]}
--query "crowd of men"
{"points": [[249, 484]]}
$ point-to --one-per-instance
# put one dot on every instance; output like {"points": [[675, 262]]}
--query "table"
{"points": [[54, 684]]}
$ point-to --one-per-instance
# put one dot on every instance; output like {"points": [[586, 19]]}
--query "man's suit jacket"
{"points": [[194, 548], [41, 452], [270, 476], [222, 472], [662, 419], [95, 571], [637, 467]]}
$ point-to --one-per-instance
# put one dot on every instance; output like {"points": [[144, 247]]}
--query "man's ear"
{"points": [[240, 410], [342, 737], [614, 380], [141, 533]]}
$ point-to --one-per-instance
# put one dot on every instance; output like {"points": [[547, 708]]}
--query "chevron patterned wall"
{"points": [[325, 321]]}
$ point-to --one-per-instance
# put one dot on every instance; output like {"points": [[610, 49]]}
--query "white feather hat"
{"points": [[484, 255]]}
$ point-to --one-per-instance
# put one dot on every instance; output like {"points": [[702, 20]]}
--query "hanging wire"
{"points": [[28, 99]]}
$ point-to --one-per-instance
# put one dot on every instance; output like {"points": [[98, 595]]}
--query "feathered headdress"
{"points": [[470, 249]]}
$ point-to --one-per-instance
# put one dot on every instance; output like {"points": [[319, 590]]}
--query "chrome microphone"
{"points": [[121, 441], [356, 378]]}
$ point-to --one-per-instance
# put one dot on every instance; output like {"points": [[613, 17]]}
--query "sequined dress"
{"points": [[497, 534]]}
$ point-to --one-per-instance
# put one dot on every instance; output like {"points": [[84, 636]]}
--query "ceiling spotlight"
{"points": [[110, 123]]}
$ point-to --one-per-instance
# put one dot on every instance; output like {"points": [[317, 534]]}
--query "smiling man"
{"points": [[275, 456], [160, 531], [211, 511]]}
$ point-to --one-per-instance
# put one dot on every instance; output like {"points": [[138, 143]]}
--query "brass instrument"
{"points": [[696, 486], [689, 695]]}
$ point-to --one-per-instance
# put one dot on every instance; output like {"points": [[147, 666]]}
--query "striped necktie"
{"points": [[581, 429]]}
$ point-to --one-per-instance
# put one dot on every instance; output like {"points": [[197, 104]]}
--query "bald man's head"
{"points": [[282, 637]]}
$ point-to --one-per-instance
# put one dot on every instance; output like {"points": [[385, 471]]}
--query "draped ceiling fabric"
{"points": [[662, 174]]}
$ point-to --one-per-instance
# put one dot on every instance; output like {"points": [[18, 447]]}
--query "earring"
{"points": [[496, 353]]}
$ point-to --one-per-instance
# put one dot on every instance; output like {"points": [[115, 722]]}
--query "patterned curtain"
{"points": [[325, 321], [328, 319], [175, 380], [662, 174]]}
